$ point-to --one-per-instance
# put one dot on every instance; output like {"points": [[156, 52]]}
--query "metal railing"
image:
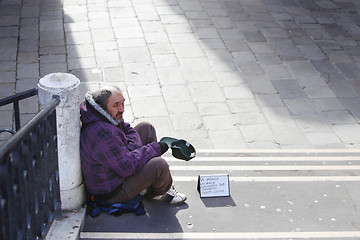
{"points": [[29, 178], [15, 101]]}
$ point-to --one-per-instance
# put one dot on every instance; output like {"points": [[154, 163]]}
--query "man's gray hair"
{"points": [[102, 95]]}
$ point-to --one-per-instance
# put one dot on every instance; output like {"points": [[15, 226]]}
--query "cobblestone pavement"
{"points": [[220, 73]]}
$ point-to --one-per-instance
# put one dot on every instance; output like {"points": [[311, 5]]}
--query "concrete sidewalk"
{"points": [[222, 74]]}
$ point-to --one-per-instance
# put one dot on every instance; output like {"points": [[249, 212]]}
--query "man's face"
{"points": [[115, 105]]}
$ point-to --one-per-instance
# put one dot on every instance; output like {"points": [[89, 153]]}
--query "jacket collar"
{"points": [[91, 101]]}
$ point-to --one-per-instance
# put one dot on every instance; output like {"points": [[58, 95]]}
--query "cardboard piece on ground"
{"points": [[216, 185]]}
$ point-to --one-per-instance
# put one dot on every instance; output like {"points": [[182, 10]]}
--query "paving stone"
{"points": [[324, 66], [261, 84], [328, 104], [220, 139], [206, 92], [238, 92], [8, 77], [313, 122], [28, 57], [199, 75], [342, 88], [196, 15], [169, 10], [206, 33], [312, 52], [48, 68], [223, 22], [144, 107], [141, 73], [171, 75], [88, 75], [338, 56], [352, 104], [160, 48], [250, 68], [277, 72], [165, 60], [181, 107], [323, 138], [340, 117], [230, 34], [289, 89], [46, 59], [156, 37], [134, 54], [335, 30], [7, 89], [102, 35], [28, 70], [208, 109], [302, 69], [269, 100], [300, 106], [187, 50], [107, 56], [81, 63], [8, 65], [314, 92], [249, 118], [180, 121], [176, 93], [243, 56], [144, 91], [278, 115], [350, 70], [254, 36], [289, 135], [264, 17], [259, 132], [76, 26], [84, 50], [275, 33], [348, 133], [182, 38], [226, 79], [52, 50], [236, 45], [261, 48], [268, 58], [210, 44], [219, 122], [217, 12], [243, 105], [173, 19]]}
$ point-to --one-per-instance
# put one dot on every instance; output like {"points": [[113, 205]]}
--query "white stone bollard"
{"points": [[72, 191]]}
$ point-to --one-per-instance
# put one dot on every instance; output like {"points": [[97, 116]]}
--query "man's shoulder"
{"points": [[101, 129]]}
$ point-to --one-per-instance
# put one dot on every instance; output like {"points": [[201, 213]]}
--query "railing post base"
{"points": [[65, 85]]}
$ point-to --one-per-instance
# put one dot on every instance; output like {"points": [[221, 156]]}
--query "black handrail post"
{"points": [[17, 115], [15, 101]]}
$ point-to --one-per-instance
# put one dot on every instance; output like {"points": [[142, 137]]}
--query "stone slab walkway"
{"points": [[222, 74]]}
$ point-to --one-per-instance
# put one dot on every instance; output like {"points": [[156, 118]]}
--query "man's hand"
{"points": [[164, 147]]}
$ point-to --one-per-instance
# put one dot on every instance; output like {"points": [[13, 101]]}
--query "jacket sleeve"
{"points": [[132, 137], [113, 154]]}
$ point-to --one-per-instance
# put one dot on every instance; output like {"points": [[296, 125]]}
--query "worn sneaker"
{"points": [[171, 197]]}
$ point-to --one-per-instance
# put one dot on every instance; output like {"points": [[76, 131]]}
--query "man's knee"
{"points": [[158, 163]]}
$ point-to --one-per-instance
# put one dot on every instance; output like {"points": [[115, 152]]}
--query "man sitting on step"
{"points": [[118, 161]]}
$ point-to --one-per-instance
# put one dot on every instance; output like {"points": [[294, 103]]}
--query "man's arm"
{"points": [[132, 137]]}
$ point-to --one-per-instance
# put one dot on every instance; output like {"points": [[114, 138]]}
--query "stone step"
{"points": [[274, 194]]}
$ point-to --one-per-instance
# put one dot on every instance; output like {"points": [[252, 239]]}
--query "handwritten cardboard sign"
{"points": [[214, 185]]}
